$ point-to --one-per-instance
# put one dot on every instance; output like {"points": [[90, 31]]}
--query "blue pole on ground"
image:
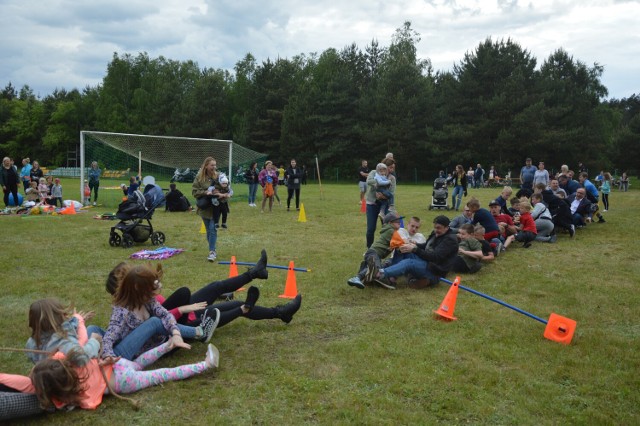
{"points": [[498, 301], [226, 262]]}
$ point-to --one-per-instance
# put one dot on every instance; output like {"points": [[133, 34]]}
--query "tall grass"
{"points": [[359, 357]]}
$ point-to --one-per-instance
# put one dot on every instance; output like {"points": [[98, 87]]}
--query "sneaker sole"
{"points": [[385, 285], [357, 285], [214, 354]]}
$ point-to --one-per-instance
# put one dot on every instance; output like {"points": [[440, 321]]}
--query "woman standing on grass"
{"points": [[36, 172], [605, 189], [293, 177], [94, 181], [459, 180], [205, 186], [372, 196], [251, 175], [9, 181]]}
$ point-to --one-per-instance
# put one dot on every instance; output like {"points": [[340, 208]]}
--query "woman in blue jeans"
{"points": [[205, 186], [251, 175], [371, 198], [459, 180]]}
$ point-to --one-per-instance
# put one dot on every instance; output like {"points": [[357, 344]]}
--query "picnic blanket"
{"points": [[159, 253]]}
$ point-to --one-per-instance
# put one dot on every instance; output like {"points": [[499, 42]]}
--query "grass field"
{"points": [[351, 356]]}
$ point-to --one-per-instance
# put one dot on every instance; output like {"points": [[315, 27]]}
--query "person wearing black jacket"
{"points": [[431, 261], [293, 176], [176, 201], [9, 181], [251, 176]]}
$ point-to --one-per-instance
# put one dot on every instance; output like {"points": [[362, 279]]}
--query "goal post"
{"points": [[121, 155]]}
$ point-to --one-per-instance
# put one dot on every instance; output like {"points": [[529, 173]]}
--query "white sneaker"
{"points": [[94, 203], [213, 356], [212, 256]]}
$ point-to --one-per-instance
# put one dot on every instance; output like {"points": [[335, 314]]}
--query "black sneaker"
{"points": [[601, 219], [224, 225], [212, 318]]}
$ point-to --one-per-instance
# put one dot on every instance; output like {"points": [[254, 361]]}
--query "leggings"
{"points": [[129, 377], [605, 201], [228, 310]]}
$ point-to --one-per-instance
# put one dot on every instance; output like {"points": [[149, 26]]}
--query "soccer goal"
{"points": [[122, 155]]}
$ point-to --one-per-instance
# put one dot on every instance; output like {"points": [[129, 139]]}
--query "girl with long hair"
{"points": [[205, 186]]}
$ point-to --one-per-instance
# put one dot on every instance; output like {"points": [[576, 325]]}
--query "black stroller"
{"points": [[440, 195], [133, 213]]}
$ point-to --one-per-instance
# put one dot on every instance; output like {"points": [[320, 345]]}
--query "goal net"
{"points": [[121, 155]]}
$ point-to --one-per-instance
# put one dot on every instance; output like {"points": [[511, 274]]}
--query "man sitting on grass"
{"points": [[580, 206], [433, 260], [380, 249]]}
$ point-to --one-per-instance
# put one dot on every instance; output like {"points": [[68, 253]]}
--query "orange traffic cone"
{"points": [[560, 329], [290, 288], [233, 271], [449, 303], [233, 268], [363, 206]]}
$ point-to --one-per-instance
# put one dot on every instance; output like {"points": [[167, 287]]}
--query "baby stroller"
{"points": [[440, 195], [133, 213]]}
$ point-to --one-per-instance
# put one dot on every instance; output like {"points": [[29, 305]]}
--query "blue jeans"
{"points": [[415, 267], [373, 210], [253, 188], [577, 219], [132, 344], [212, 232], [456, 196]]}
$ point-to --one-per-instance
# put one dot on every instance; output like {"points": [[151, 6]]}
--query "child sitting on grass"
{"points": [[469, 251], [31, 193], [526, 226]]}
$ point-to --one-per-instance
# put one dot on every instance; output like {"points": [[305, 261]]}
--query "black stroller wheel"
{"points": [[157, 238], [114, 240], [127, 240]]}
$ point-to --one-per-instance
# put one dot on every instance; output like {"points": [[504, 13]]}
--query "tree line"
{"points": [[495, 107]]}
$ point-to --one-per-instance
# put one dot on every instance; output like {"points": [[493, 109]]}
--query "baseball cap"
{"points": [[494, 203], [391, 217]]}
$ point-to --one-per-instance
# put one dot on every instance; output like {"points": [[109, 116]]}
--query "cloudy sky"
{"points": [[68, 43]]}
